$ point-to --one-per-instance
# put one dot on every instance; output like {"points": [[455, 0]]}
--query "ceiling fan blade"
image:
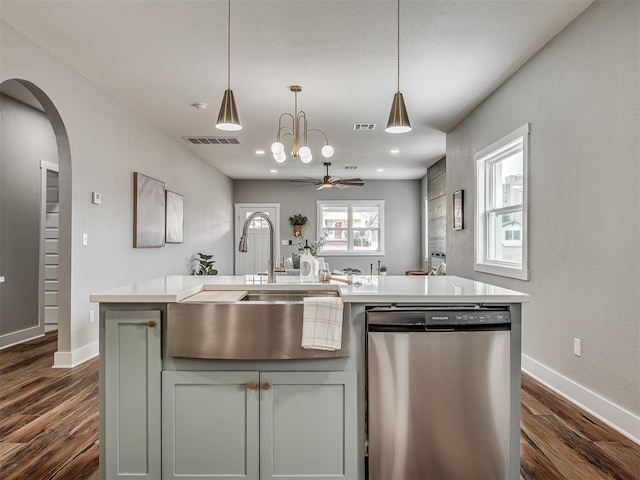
{"points": [[306, 179], [351, 184], [340, 185], [352, 180]]}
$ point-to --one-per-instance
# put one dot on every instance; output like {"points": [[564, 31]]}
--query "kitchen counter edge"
{"points": [[373, 289]]}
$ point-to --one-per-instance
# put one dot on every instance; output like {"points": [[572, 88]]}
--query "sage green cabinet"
{"points": [[259, 425], [308, 424], [131, 388], [210, 425]]}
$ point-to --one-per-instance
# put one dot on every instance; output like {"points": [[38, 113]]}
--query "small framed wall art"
{"points": [[175, 217], [148, 212], [458, 212]]}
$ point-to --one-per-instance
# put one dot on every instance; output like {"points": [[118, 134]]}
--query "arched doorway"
{"points": [[20, 251]]}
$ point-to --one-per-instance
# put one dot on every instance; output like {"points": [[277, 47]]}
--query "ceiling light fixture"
{"points": [[228, 117], [298, 132], [398, 119]]}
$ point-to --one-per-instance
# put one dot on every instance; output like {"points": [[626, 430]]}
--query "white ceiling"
{"points": [[159, 57]]}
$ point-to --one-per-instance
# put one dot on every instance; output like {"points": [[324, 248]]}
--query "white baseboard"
{"points": [[14, 338], [75, 357], [613, 415]]}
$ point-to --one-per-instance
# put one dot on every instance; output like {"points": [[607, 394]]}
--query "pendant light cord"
{"points": [[229, 45], [398, 45]]}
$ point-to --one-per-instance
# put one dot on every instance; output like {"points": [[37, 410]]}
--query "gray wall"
{"points": [[402, 216], [581, 95], [26, 138], [108, 142]]}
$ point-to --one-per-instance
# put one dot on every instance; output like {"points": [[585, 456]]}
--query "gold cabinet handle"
{"points": [[266, 386], [252, 385], [151, 323]]}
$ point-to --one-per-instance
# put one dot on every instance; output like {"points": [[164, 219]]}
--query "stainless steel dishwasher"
{"points": [[438, 392]]}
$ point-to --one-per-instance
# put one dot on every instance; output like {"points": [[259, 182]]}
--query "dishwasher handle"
{"points": [[424, 328]]}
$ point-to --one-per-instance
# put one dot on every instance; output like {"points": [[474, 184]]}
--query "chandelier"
{"points": [[298, 132]]}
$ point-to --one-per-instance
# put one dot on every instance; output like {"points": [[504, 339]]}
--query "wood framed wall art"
{"points": [[175, 217], [148, 211], [458, 211]]}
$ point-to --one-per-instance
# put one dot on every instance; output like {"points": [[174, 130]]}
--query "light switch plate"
{"points": [[96, 198], [577, 347]]}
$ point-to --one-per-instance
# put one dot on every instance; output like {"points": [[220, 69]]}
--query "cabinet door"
{"points": [[130, 416], [210, 425], [308, 425]]}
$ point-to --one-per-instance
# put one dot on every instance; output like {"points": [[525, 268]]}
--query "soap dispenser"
{"points": [[308, 268]]}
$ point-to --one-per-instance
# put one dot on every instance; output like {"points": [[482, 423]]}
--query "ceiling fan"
{"points": [[330, 182]]}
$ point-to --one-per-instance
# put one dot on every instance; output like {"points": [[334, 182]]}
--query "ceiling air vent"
{"points": [[364, 126], [212, 140], [350, 167]]}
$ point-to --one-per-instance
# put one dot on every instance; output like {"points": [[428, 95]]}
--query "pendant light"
{"points": [[398, 119], [228, 117]]}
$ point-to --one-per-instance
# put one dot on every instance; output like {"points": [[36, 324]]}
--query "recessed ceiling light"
{"points": [[380, 170], [259, 152], [394, 151], [273, 170], [200, 106]]}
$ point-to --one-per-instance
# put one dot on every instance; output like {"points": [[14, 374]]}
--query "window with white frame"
{"points": [[351, 227], [501, 206]]}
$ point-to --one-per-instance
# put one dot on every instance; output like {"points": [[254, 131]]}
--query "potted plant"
{"points": [[382, 270], [313, 245], [297, 221], [205, 265]]}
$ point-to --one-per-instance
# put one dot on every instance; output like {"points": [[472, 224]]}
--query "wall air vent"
{"points": [[364, 126], [350, 167], [212, 140]]}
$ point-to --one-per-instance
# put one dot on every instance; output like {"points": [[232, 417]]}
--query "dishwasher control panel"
{"points": [[467, 318], [424, 317]]}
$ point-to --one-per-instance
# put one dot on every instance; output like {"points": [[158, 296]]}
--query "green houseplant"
{"points": [[383, 269], [205, 265], [313, 245], [297, 221]]}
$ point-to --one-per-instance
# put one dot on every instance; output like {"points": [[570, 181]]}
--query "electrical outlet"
{"points": [[577, 347], [91, 316], [85, 239]]}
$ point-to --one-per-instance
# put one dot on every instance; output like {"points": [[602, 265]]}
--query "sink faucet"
{"points": [[243, 240]]}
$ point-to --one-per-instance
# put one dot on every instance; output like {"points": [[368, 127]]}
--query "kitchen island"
{"points": [[170, 416]]}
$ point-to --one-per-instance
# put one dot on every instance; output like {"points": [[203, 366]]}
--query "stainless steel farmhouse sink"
{"points": [[285, 295], [265, 324]]}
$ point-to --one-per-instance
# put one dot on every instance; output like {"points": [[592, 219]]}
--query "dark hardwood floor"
{"points": [[48, 416], [49, 425]]}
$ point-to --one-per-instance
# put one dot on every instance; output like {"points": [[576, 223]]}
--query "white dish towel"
{"points": [[322, 323]]}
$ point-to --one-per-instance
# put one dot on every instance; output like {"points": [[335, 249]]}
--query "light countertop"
{"points": [[373, 289]]}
